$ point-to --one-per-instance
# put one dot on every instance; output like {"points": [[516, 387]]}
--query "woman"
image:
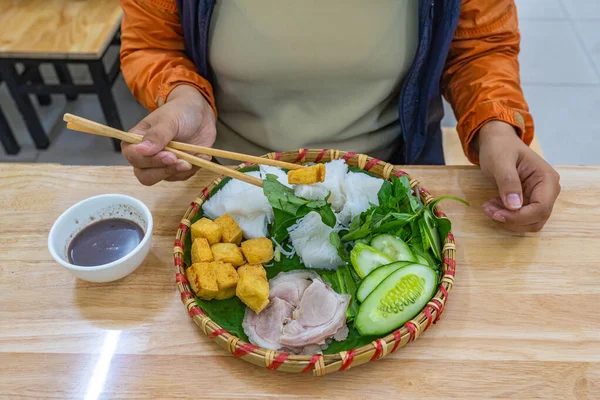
{"points": [[348, 74]]}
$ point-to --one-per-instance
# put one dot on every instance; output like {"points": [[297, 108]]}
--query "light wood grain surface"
{"points": [[522, 320], [74, 29]]}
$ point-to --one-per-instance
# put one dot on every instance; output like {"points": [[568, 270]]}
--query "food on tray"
{"points": [[252, 269], [201, 251], [253, 289], [360, 191], [258, 251], [212, 280], [304, 315], [245, 203], [396, 300], [335, 174], [205, 228], [371, 281], [231, 231], [227, 253], [307, 176], [365, 259], [350, 255], [393, 247], [310, 238]]}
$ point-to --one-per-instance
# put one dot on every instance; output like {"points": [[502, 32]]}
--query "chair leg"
{"points": [[64, 77], [36, 77], [107, 100], [21, 98], [6, 136]]}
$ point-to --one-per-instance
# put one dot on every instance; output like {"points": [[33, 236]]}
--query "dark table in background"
{"points": [[59, 33]]}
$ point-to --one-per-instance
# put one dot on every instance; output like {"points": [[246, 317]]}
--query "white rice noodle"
{"points": [[310, 238], [286, 253], [359, 190], [335, 174], [253, 226], [278, 172], [311, 192], [246, 203]]}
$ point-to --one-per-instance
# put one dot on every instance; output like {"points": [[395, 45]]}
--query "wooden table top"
{"points": [[45, 29], [522, 320]]}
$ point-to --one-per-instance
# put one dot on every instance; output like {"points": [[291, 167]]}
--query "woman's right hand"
{"points": [[185, 117]]}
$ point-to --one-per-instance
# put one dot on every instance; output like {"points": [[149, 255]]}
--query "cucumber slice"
{"points": [[376, 277], [421, 260], [393, 247], [432, 234], [365, 259], [396, 300]]}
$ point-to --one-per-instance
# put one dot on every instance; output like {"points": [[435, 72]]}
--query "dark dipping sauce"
{"points": [[104, 241]]}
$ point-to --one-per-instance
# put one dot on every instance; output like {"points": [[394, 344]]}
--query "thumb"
{"points": [[157, 131], [509, 185]]}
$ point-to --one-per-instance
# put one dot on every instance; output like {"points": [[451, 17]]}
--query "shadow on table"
{"points": [[128, 302]]}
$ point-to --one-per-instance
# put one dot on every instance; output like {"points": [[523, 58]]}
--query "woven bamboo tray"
{"points": [[319, 364]]}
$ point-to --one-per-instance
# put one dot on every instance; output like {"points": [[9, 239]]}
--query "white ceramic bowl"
{"points": [[91, 210]]}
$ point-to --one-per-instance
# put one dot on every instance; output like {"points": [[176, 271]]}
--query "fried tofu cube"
{"points": [[228, 253], [258, 251], [212, 280], [207, 229], [231, 231], [201, 251], [307, 175], [225, 294], [203, 280], [252, 269], [227, 276], [253, 291]]}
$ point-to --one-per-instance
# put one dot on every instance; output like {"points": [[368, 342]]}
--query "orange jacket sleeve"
{"points": [[153, 60], [481, 78]]}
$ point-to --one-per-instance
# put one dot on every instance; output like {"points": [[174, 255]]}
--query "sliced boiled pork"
{"points": [[304, 315], [264, 329]]}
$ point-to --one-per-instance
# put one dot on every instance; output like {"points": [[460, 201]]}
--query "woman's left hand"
{"points": [[528, 185]]}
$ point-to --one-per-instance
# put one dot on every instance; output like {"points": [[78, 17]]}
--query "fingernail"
{"points": [[169, 159], [499, 217], [513, 201], [183, 165]]}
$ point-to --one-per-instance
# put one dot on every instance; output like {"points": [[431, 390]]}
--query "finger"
{"points": [[151, 176], [523, 228], [161, 159], [530, 214], [182, 176], [158, 130], [491, 207], [509, 185], [542, 199]]}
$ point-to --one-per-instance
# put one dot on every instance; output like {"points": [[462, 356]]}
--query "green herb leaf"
{"points": [[444, 225], [434, 202], [427, 256], [385, 194], [344, 282], [327, 215], [335, 240], [424, 237], [229, 314], [363, 231]]}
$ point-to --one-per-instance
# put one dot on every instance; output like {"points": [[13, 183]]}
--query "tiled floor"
{"points": [[560, 73]]}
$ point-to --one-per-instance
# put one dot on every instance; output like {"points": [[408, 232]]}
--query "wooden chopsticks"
{"points": [[84, 125]]}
